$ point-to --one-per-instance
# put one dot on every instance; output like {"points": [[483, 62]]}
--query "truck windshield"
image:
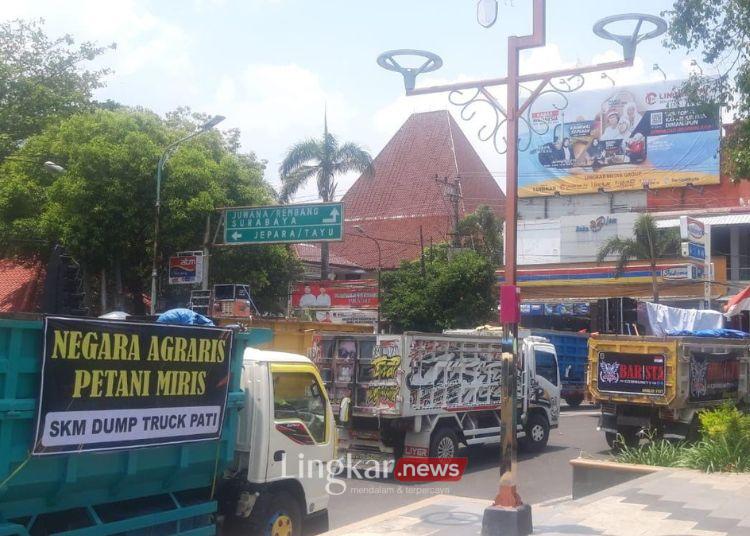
{"points": [[298, 396], [546, 365]]}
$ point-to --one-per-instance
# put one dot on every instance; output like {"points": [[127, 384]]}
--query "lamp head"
{"points": [[630, 42], [486, 12], [211, 123], [428, 62], [53, 168]]}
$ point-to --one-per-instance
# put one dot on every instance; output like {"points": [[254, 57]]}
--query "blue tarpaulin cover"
{"points": [[720, 333], [184, 317]]}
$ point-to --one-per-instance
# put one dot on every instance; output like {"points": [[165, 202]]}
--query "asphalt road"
{"points": [[542, 476]]}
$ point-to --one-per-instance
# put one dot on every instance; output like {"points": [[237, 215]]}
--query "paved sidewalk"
{"points": [[667, 503]]}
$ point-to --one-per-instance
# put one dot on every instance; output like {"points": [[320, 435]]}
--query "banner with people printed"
{"points": [[354, 294], [620, 138]]}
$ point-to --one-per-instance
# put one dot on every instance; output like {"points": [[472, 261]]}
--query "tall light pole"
{"points": [[211, 123], [509, 515], [362, 232]]}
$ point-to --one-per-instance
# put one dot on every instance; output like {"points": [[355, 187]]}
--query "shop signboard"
{"points": [[186, 268], [621, 372]]}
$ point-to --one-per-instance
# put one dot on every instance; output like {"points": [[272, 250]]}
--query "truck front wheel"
{"points": [[574, 400], [274, 514], [537, 433]]}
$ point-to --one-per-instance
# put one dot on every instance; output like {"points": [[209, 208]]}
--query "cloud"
{"points": [[147, 45], [277, 105]]}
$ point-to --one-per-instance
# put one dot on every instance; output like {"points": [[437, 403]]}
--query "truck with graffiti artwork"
{"points": [[425, 394], [659, 384]]}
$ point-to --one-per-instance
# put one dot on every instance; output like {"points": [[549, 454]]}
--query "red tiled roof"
{"points": [[311, 253], [21, 285], [402, 194]]}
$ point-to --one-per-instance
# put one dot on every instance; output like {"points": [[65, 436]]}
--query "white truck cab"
{"points": [[286, 436]]}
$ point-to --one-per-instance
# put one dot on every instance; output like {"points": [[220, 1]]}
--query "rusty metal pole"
{"points": [[507, 495]]}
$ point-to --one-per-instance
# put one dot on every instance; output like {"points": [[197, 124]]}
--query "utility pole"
{"points": [[452, 191]]}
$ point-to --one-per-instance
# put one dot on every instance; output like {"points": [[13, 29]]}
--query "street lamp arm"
{"points": [[491, 82]]}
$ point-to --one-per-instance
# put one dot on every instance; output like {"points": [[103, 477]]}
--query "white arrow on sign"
{"points": [[332, 218], [236, 235]]}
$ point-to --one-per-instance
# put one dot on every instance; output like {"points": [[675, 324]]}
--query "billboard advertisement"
{"points": [[619, 138], [186, 268], [355, 294]]}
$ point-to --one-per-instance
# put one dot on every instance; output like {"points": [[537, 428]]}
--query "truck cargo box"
{"points": [[674, 372], [34, 485]]}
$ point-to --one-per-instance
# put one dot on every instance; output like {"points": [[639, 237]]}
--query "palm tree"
{"points": [[650, 243], [323, 159]]}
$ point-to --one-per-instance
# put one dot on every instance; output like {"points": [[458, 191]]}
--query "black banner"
{"points": [[714, 376], [110, 385], [631, 373]]}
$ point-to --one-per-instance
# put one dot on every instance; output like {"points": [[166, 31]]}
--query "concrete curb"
{"points": [[592, 476]]}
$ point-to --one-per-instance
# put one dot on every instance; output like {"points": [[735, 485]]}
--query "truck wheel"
{"points": [[444, 443], [574, 400], [537, 433], [626, 436], [275, 514]]}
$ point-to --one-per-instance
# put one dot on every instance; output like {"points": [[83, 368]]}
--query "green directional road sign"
{"points": [[314, 222]]}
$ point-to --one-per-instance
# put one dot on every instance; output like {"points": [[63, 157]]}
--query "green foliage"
{"points": [[482, 231], [725, 421], [41, 80], [655, 452], [724, 447], [456, 291], [102, 207], [650, 243], [322, 159], [719, 30]]}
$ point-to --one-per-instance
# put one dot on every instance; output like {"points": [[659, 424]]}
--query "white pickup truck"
{"points": [[424, 394]]}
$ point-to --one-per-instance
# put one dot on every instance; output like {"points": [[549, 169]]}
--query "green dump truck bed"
{"points": [[165, 489]]}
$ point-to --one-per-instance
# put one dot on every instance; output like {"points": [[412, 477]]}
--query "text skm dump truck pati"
{"points": [[659, 384], [110, 427]]}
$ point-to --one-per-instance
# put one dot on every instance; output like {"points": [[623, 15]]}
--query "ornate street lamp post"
{"points": [[509, 514]]}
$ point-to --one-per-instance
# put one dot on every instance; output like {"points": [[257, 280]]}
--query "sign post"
{"points": [[186, 268], [284, 224], [696, 245]]}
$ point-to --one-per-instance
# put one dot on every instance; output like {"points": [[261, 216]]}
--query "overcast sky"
{"points": [[270, 66]]}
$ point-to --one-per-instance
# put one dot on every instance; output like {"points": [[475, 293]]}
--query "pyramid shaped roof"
{"points": [[405, 193]]}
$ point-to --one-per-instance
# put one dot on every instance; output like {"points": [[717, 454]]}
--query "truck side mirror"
{"points": [[344, 408]]}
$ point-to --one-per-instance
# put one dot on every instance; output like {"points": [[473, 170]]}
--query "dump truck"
{"points": [[424, 394], [110, 427], [572, 358], [659, 384]]}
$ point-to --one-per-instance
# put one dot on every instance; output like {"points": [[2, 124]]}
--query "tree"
{"points": [[482, 231], [719, 30], [650, 243], [323, 159], [101, 207], [41, 80], [456, 291]]}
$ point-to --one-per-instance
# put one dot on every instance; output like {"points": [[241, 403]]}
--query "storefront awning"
{"points": [[722, 219]]}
